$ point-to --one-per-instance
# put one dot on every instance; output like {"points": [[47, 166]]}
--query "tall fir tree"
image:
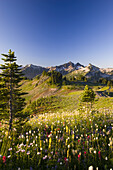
{"points": [[12, 102], [88, 96]]}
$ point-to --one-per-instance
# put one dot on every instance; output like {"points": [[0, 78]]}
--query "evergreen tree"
{"points": [[12, 102], [56, 78], [88, 95]]}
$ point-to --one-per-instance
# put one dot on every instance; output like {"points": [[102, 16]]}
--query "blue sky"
{"points": [[52, 32]]}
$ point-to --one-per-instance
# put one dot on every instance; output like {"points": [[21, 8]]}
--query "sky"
{"points": [[53, 32]]}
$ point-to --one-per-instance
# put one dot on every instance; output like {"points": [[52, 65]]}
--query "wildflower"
{"points": [[38, 153], [10, 149], [94, 152], [9, 156], [90, 168], [68, 146], [31, 143], [28, 152], [4, 159], [99, 154], [45, 157], [78, 157], [23, 150], [50, 143], [78, 140], [68, 153], [65, 159], [106, 158]]}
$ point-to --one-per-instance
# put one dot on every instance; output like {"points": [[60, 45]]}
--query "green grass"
{"points": [[104, 88], [66, 98], [75, 93], [104, 102]]}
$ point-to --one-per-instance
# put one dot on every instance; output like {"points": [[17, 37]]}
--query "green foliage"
{"points": [[45, 73], [88, 95], [80, 77], [109, 83], [37, 77], [103, 80], [55, 78], [43, 105], [12, 102]]}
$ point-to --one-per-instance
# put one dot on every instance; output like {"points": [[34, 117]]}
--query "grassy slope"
{"points": [[65, 98]]}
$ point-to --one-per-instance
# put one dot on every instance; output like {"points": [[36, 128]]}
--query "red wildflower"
{"points": [[78, 157], [65, 159], [4, 159], [99, 154], [78, 140]]}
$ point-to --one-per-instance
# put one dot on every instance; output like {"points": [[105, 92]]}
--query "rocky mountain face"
{"points": [[66, 68], [90, 71], [30, 71]]}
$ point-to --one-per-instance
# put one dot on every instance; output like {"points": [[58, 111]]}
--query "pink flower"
{"points": [[99, 152], [78, 140], [85, 152], [78, 157]]}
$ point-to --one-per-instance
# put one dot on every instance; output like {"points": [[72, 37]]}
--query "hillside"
{"points": [[55, 98]]}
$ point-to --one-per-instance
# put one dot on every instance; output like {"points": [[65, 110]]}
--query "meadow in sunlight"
{"points": [[77, 140]]}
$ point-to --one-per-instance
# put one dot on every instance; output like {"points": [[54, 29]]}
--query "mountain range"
{"points": [[90, 71]]}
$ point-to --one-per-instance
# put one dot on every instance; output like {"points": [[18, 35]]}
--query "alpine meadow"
{"points": [[56, 84], [55, 120]]}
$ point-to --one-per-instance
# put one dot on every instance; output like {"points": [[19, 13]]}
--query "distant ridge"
{"points": [[90, 71], [30, 70]]}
